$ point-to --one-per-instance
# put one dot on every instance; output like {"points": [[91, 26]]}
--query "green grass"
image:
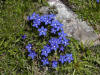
{"points": [[13, 24], [13, 55]]}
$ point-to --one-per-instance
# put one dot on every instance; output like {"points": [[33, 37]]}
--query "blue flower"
{"points": [[47, 22], [62, 35], [61, 48], [36, 24], [23, 36], [65, 42], [56, 24], [59, 28], [46, 19], [53, 30], [52, 16], [29, 47], [32, 17], [62, 59], [54, 64], [54, 41], [54, 46], [38, 19], [97, 1], [32, 54], [46, 50], [42, 31], [45, 61], [69, 57]]}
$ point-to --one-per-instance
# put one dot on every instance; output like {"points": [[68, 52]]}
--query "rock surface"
{"points": [[73, 26]]}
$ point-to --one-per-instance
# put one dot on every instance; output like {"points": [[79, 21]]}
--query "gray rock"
{"points": [[73, 26]]}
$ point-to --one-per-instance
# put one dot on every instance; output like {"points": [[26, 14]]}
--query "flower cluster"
{"points": [[47, 24], [32, 53], [65, 58]]}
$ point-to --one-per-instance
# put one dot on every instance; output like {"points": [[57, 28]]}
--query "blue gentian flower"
{"points": [[42, 31], [61, 48], [45, 61], [32, 17], [36, 24], [32, 54], [55, 23], [47, 22], [58, 28], [54, 46], [97, 1], [62, 59], [46, 19], [52, 16], [54, 41], [38, 19], [45, 51], [24, 36], [54, 64], [62, 35], [29, 47], [61, 29], [68, 57], [65, 42], [53, 30]]}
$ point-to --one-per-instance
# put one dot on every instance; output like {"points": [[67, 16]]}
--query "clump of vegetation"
{"points": [[16, 33], [48, 29]]}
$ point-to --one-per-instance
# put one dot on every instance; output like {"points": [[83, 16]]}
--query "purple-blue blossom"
{"points": [[97, 1], [52, 16], [45, 61], [62, 59], [61, 48], [45, 51], [54, 46], [32, 17], [54, 40], [32, 54], [69, 57], [42, 31], [53, 30], [54, 64], [36, 24], [62, 35], [38, 19], [45, 19], [29, 47], [56, 24], [65, 42]]}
